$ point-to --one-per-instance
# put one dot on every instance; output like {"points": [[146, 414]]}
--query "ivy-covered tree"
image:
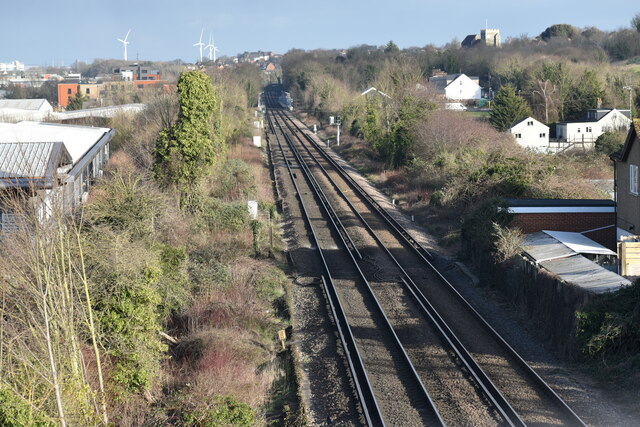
{"points": [[184, 151], [508, 108]]}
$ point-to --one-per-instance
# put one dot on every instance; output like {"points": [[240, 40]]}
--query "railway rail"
{"points": [[493, 385]]}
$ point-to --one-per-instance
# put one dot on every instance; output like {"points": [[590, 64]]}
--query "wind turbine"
{"points": [[125, 43], [200, 44], [212, 49]]}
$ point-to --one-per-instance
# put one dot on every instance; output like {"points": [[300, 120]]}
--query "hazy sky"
{"points": [[43, 31]]}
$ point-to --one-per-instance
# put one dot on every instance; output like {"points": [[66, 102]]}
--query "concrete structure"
{"points": [[594, 219], [531, 134], [11, 67], [52, 165], [457, 86], [595, 122], [15, 110]]}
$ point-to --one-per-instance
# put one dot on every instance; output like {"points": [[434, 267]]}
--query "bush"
{"points": [[234, 181], [15, 412], [225, 216], [610, 142], [610, 325], [228, 411]]}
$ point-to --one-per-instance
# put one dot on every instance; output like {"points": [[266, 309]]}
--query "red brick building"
{"points": [[596, 219]]}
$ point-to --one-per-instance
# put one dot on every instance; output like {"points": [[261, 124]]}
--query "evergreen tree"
{"points": [[508, 108], [76, 102], [184, 151], [584, 95]]}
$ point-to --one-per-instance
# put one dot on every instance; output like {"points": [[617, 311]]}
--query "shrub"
{"points": [[15, 412], [234, 181], [225, 216], [228, 411], [610, 142], [610, 325]]}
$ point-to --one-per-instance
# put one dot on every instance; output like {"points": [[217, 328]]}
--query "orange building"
{"points": [[66, 91]]}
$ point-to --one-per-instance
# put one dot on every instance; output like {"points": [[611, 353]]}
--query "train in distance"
{"points": [[285, 100]]}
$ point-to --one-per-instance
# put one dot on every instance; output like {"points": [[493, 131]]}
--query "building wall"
{"points": [[90, 91], [628, 203], [576, 222], [66, 91], [535, 136], [463, 88]]}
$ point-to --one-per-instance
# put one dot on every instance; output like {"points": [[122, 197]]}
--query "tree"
{"points": [[559, 30], [185, 150], [635, 22], [391, 47], [76, 102], [584, 94], [508, 107]]}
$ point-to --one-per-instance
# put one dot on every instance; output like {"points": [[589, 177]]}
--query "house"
{"points": [[595, 122], [373, 91], [626, 163], [15, 110], [457, 86], [53, 165], [530, 133]]}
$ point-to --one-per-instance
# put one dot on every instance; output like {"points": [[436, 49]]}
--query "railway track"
{"points": [[452, 353]]}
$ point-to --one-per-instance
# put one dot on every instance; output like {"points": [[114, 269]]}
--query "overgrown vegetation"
{"points": [[139, 311], [608, 331]]}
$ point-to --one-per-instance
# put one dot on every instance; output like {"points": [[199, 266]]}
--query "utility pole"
{"points": [[630, 89]]}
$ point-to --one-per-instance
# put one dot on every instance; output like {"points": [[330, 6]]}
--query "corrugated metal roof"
{"points": [[586, 274], [569, 266], [541, 247], [78, 140], [27, 164], [22, 104], [25, 160], [579, 243]]}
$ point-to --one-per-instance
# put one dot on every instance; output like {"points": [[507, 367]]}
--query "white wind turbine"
{"points": [[212, 49], [125, 43], [200, 44]]}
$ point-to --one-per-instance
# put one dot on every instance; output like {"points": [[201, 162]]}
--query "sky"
{"points": [[45, 32]]}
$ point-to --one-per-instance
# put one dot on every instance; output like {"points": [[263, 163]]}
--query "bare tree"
{"points": [[545, 92]]}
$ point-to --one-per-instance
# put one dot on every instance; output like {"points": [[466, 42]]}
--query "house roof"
{"points": [[559, 202], [634, 131], [22, 104], [525, 119], [373, 89], [24, 164], [77, 140], [601, 113]]}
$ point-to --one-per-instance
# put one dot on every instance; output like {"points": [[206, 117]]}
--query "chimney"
{"points": [[599, 102]]}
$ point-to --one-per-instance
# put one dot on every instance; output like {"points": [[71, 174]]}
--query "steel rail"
{"points": [[364, 390], [426, 256], [339, 227], [446, 334]]}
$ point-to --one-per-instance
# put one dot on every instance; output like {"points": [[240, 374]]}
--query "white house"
{"points": [[457, 86], [55, 165], [532, 134], [596, 122], [15, 110]]}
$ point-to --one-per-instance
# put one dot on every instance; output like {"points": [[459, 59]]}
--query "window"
{"points": [[68, 91], [88, 91], [460, 82], [8, 220], [578, 130], [588, 130], [633, 179], [518, 135], [530, 123], [543, 135]]}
